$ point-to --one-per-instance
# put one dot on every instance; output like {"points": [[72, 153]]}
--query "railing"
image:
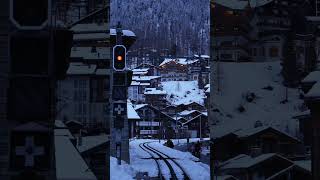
{"points": [[147, 123], [143, 132]]}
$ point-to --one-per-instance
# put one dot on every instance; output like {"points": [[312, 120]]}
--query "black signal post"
{"points": [[38, 56]]}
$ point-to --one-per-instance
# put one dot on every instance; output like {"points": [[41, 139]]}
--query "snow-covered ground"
{"points": [[183, 92], [120, 172], [238, 81], [140, 162]]}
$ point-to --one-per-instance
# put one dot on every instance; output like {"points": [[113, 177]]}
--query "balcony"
{"points": [[148, 123], [146, 132]]}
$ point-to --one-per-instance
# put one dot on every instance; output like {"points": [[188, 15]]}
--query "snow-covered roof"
{"points": [[140, 70], [73, 121], [207, 86], [103, 71], [134, 83], [306, 113], [132, 114], [90, 36], [251, 131], [69, 163], [187, 112], [90, 27], [125, 32], [144, 84], [138, 106], [312, 77], [203, 56], [193, 118], [241, 4], [144, 78], [246, 161], [313, 18], [81, 69], [154, 91], [86, 53], [314, 92], [89, 142], [63, 132], [207, 90], [183, 61], [59, 124], [304, 164]]}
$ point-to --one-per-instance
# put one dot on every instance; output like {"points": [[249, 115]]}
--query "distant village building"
{"points": [[139, 84], [152, 70], [133, 118], [255, 30], [197, 125], [155, 97], [154, 123], [185, 69], [174, 69]]}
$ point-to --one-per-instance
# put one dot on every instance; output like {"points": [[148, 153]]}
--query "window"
{"points": [[75, 83], [273, 52]]}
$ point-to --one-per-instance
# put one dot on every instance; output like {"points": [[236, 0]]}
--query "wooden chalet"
{"points": [[269, 166], [257, 141], [196, 125], [174, 69], [152, 70], [154, 123]]}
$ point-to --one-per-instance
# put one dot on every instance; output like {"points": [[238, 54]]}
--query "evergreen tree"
{"points": [[173, 50], [290, 71]]}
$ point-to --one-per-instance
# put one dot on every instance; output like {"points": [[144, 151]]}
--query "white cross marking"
{"points": [[119, 109], [29, 151]]}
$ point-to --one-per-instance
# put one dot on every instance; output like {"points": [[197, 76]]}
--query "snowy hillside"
{"points": [[166, 22], [183, 92], [251, 92]]}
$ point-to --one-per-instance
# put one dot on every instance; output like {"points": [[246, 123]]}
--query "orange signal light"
{"points": [[119, 58]]}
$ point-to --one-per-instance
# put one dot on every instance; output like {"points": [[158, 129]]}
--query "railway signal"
{"points": [[119, 57], [30, 15], [38, 56]]}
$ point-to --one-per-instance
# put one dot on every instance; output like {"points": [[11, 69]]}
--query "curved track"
{"points": [[159, 156]]}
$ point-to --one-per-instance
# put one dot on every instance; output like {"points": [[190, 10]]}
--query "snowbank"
{"points": [[120, 172]]}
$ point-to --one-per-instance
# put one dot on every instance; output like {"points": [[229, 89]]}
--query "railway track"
{"points": [[159, 157]]}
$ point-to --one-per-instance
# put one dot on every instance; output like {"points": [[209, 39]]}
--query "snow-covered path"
{"points": [[142, 160]]}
